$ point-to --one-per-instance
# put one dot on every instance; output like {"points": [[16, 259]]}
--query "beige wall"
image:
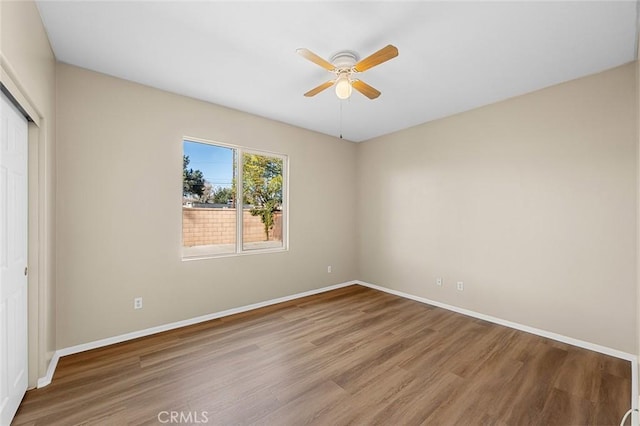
{"points": [[531, 202], [120, 209], [28, 69]]}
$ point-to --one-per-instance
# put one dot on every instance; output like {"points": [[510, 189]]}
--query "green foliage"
{"points": [[262, 187], [192, 180], [215, 195], [222, 195]]}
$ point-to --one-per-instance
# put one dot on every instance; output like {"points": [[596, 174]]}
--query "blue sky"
{"points": [[215, 162]]}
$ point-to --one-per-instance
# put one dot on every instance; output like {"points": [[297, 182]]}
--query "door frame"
{"points": [[37, 239]]}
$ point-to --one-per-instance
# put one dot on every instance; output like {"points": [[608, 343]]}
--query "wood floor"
{"points": [[349, 356]]}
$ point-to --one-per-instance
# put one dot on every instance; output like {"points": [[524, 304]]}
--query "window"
{"points": [[233, 200]]}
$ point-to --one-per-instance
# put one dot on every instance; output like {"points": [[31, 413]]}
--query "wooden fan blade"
{"points": [[382, 55], [319, 89], [307, 54], [365, 89]]}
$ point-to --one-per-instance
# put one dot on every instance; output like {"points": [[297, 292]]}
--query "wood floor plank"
{"points": [[369, 398], [349, 356], [562, 408], [308, 406]]}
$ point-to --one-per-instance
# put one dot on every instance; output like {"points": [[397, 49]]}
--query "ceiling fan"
{"points": [[345, 66]]}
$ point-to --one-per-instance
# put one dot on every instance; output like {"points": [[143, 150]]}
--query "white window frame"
{"points": [[239, 251]]}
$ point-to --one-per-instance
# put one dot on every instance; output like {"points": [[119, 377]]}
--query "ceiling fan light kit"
{"points": [[345, 65], [343, 86]]}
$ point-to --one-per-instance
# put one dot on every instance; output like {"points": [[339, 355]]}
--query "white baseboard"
{"points": [[633, 359], [44, 381]]}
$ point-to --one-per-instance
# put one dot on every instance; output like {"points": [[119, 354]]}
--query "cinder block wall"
{"points": [[218, 226]]}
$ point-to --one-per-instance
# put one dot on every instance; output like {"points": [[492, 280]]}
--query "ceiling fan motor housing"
{"points": [[344, 61]]}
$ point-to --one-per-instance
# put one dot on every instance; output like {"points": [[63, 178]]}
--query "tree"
{"points": [[222, 195], [215, 194], [262, 187], [207, 193], [192, 180]]}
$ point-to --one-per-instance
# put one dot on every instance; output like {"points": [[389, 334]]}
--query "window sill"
{"points": [[224, 250]]}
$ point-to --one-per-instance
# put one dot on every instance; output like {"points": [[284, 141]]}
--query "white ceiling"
{"points": [[454, 56]]}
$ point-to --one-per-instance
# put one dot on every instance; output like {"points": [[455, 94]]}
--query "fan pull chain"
{"points": [[340, 119]]}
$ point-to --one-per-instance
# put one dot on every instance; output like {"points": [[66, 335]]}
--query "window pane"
{"points": [[262, 184], [208, 200]]}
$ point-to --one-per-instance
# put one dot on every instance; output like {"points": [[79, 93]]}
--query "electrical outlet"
{"points": [[137, 303], [439, 281], [460, 286], [329, 269]]}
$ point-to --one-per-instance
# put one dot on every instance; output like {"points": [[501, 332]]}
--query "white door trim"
{"points": [[41, 349]]}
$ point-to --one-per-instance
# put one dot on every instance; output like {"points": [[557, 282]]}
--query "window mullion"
{"points": [[239, 201]]}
